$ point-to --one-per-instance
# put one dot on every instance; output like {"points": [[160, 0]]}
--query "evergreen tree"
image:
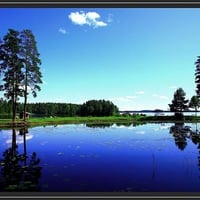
{"points": [[179, 103], [10, 68], [194, 103], [197, 76], [31, 70]]}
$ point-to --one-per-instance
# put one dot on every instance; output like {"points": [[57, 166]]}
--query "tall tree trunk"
{"points": [[14, 112], [14, 98], [14, 142], [25, 93], [25, 103], [25, 89], [14, 108]]}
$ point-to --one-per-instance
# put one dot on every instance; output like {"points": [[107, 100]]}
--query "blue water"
{"points": [[144, 158]]}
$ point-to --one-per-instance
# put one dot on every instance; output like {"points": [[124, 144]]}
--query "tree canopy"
{"points": [[194, 103], [19, 60], [61, 109], [197, 76], [30, 69], [10, 67], [179, 103], [98, 108]]}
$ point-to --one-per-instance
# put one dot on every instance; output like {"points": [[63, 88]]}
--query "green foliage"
{"points": [[19, 60], [179, 103], [197, 76], [10, 68], [98, 108], [90, 108], [53, 109], [30, 69], [194, 102], [5, 107]]}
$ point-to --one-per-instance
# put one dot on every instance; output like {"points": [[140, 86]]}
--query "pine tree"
{"points": [[194, 103], [179, 103], [10, 68], [197, 76], [31, 70]]}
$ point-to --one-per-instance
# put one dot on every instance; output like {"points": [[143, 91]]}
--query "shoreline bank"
{"points": [[6, 123]]}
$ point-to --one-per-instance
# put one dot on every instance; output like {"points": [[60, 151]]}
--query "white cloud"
{"points": [[19, 139], [92, 16], [160, 96], [78, 18], [100, 23], [140, 92], [89, 18], [62, 30]]}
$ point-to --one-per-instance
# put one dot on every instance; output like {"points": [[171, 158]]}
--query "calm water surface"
{"points": [[78, 158]]}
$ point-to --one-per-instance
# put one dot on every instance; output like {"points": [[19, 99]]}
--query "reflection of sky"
{"points": [[80, 158], [19, 139], [6, 138]]}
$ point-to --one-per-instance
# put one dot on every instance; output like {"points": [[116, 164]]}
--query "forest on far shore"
{"points": [[89, 108]]}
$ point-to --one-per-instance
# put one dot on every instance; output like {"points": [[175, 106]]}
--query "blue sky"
{"points": [[135, 57]]}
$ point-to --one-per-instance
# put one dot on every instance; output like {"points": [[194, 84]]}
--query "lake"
{"points": [[168, 113], [92, 158]]}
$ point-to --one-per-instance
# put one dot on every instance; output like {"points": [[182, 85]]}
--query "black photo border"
{"points": [[100, 4]]}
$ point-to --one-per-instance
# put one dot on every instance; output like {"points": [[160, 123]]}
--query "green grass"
{"points": [[136, 119], [68, 120], [80, 119]]}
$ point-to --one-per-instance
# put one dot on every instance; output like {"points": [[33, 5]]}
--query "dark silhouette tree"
{"points": [[19, 67], [179, 103], [19, 172], [180, 132], [194, 103], [10, 68], [197, 76], [31, 70]]}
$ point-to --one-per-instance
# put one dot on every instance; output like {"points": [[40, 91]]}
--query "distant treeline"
{"points": [[90, 108]]}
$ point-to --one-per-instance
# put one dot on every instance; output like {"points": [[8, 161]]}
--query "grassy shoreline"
{"points": [[65, 120], [7, 123]]}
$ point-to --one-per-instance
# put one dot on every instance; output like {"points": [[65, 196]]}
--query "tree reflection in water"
{"points": [[19, 172], [99, 125], [107, 125], [180, 133], [195, 137]]}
